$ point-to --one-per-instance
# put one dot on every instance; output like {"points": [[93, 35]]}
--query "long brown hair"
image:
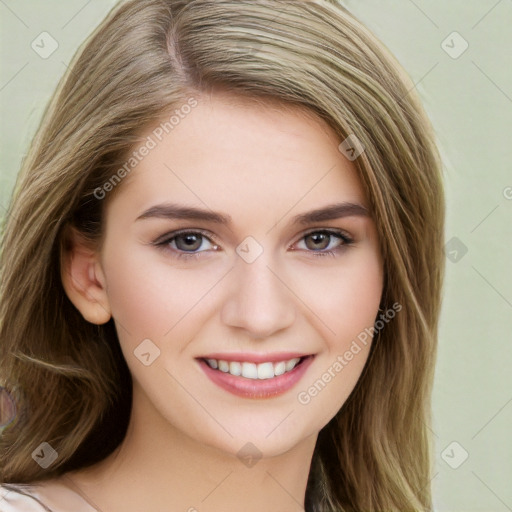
{"points": [[148, 57]]}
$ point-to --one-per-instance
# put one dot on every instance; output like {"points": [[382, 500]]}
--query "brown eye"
{"points": [[324, 242], [318, 241], [186, 244], [188, 241]]}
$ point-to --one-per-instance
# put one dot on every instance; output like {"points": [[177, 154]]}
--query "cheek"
{"points": [[344, 300], [150, 298], [345, 303]]}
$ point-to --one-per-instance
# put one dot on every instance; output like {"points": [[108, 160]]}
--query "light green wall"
{"points": [[469, 99]]}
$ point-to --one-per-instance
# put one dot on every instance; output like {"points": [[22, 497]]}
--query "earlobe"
{"points": [[83, 278]]}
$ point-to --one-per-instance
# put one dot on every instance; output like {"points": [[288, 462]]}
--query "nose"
{"points": [[258, 300]]}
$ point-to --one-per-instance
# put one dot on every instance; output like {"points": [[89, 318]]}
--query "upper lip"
{"points": [[252, 357]]}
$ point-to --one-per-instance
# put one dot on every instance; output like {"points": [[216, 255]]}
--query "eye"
{"points": [[324, 242], [189, 242], [186, 243]]}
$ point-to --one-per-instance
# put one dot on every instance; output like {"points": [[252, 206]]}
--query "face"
{"points": [[240, 263]]}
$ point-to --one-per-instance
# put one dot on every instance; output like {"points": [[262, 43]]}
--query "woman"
{"points": [[221, 270]]}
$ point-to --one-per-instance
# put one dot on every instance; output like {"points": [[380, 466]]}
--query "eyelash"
{"points": [[164, 241]]}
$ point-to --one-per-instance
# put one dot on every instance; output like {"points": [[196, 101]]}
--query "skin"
{"points": [[262, 166]]}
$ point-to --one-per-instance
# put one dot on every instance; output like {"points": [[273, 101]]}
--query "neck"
{"points": [[158, 467]]}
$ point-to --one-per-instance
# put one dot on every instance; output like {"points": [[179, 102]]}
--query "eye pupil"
{"points": [[319, 241], [188, 242]]}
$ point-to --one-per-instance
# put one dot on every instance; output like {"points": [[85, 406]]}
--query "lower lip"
{"points": [[256, 388]]}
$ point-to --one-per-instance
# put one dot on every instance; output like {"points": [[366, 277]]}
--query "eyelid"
{"points": [[344, 235], [346, 240], [167, 237], [163, 243]]}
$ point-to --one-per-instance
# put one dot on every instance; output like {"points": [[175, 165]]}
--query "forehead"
{"points": [[230, 151]]}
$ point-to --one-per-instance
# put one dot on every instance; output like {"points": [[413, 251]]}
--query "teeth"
{"points": [[249, 371], [223, 366], [290, 365], [260, 371], [279, 368], [235, 368], [265, 371]]}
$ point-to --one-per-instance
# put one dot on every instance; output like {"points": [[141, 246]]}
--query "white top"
{"points": [[41, 497]]}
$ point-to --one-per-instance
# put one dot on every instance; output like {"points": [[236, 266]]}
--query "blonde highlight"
{"points": [[146, 58]]}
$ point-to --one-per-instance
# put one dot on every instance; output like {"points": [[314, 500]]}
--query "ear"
{"points": [[83, 278]]}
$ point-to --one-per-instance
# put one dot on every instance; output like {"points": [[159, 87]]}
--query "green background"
{"points": [[468, 96]]}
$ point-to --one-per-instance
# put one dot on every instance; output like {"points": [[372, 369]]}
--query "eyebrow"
{"points": [[331, 212], [174, 211]]}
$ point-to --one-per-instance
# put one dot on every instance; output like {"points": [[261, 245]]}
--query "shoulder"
{"points": [[47, 496], [20, 498]]}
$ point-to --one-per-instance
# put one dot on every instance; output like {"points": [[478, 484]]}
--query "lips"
{"points": [[255, 375]]}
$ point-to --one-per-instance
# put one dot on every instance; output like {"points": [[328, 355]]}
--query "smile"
{"points": [[267, 370], [255, 376]]}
